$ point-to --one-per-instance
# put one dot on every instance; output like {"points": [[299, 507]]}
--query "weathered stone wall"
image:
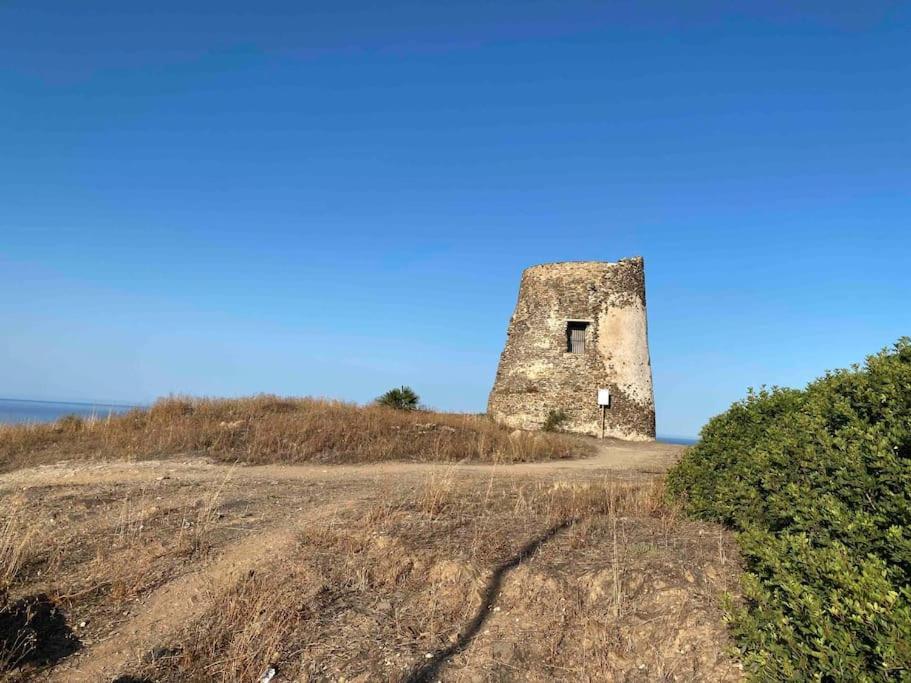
{"points": [[538, 374]]}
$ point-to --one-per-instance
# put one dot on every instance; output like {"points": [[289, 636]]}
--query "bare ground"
{"points": [[189, 570]]}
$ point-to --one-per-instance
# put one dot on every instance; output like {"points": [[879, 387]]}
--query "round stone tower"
{"points": [[579, 328]]}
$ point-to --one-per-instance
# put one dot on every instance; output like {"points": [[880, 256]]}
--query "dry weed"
{"points": [[266, 429], [239, 639], [462, 579], [15, 643], [14, 541]]}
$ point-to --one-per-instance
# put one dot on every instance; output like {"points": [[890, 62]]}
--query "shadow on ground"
{"points": [[33, 631], [431, 669]]}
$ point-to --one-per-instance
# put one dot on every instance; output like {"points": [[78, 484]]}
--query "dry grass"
{"points": [[534, 580], [241, 638], [269, 429], [191, 571], [17, 640], [74, 562], [14, 541]]}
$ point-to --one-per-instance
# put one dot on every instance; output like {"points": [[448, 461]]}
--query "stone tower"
{"points": [[578, 327]]}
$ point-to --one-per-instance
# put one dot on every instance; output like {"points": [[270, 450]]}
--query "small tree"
{"points": [[403, 398]]}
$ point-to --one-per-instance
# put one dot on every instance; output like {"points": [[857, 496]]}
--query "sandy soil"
{"points": [[136, 555], [625, 458]]}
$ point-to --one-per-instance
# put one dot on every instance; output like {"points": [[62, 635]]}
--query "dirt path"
{"points": [[611, 456], [185, 599]]}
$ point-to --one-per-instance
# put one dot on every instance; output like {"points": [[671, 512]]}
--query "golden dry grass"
{"points": [[188, 570], [443, 572], [269, 429], [14, 542], [539, 580]]}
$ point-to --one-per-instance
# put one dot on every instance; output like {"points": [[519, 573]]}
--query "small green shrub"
{"points": [[818, 484], [70, 423], [403, 398], [555, 420]]}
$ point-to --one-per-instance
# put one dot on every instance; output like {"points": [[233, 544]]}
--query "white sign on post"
{"points": [[603, 397]]}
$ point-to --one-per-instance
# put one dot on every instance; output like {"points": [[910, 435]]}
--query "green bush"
{"points": [[70, 423], [818, 485], [554, 420], [403, 398]]}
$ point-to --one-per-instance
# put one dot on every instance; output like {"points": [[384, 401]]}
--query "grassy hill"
{"points": [[269, 429]]}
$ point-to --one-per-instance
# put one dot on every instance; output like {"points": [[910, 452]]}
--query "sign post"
{"points": [[604, 402]]}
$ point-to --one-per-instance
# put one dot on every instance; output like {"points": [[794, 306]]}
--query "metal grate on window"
{"points": [[575, 336]]}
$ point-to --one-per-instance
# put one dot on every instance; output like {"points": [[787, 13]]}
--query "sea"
{"points": [[18, 411], [681, 440]]}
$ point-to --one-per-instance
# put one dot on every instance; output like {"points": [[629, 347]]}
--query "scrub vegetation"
{"points": [[403, 398], [416, 572], [555, 420], [817, 483], [190, 571], [270, 429]]}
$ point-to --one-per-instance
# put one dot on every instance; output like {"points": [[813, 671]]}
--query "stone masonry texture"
{"points": [[538, 373]]}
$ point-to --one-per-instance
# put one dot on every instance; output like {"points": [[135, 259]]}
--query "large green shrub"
{"points": [[818, 485]]}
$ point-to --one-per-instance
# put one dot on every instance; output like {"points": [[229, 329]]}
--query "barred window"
{"points": [[576, 334]]}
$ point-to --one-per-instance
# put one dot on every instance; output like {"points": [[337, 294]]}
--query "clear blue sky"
{"points": [[332, 198]]}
